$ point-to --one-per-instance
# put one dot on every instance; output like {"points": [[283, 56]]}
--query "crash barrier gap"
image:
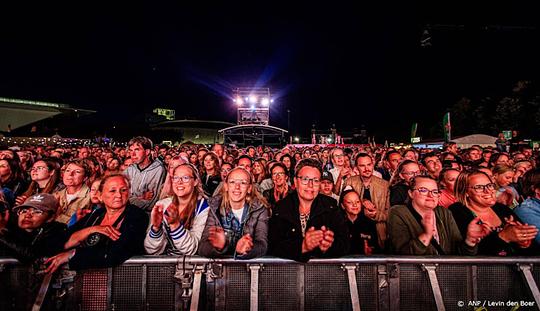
{"points": [[352, 283]]}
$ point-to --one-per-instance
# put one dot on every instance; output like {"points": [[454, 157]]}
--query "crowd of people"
{"points": [[94, 207]]}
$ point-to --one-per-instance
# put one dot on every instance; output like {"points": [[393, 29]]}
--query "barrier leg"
{"points": [[526, 270], [254, 288], [196, 294], [353, 287], [434, 285]]}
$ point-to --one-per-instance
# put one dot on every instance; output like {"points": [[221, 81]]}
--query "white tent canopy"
{"points": [[475, 139]]}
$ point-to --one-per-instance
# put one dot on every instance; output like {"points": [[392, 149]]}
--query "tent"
{"points": [[475, 139]]}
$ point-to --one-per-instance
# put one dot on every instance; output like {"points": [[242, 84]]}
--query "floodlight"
{"points": [[253, 99], [265, 101], [239, 101]]}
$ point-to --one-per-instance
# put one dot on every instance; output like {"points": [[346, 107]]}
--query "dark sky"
{"points": [[347, 64]]}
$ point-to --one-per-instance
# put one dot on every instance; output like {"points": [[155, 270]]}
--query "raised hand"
{"points": [[476, 231], [244, 245], [312, 240], [369, 209], [156, 217], [216, 237], [327, 240]]}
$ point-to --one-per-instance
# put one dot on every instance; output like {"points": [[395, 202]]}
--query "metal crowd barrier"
{"points": [[355, 283]]}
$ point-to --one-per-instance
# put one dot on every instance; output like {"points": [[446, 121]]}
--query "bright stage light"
{"points": [[265, 101], [253, 99], [296, 139], [239, 101]]}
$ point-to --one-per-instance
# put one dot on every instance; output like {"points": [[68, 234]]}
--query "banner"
{"points": [[447, 127]]}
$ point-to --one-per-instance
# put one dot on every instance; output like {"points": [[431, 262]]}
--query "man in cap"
{"points": [[35, 234]]}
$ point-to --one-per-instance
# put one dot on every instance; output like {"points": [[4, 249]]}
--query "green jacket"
{"points": [[404, 229]]}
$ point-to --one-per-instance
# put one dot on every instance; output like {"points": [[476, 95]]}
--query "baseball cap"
{"points": [[326, 175], [42, 201]]}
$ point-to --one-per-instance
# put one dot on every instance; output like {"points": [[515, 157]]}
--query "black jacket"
{"points": [[285, 232], [26, 246], [107, 253]]}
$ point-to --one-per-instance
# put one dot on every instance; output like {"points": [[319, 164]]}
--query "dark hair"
{"points": [[495, 157], [389, 153], [531, 182], [344, 194], [279, 164], [443, 173], [244, 156], [145, 142], [215, 159], [361, 155], [52, 166], [81, 163], [308, 162], [414, 180], [429, 155]]}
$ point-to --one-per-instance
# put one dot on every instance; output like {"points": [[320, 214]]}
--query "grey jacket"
{"points": [[256, 224], [149, 179]]}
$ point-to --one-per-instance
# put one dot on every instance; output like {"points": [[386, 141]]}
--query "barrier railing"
{"points": [[355, 283]]}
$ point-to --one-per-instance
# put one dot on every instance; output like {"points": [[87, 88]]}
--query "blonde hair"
{"points": [[462, 184], [252, 196]]}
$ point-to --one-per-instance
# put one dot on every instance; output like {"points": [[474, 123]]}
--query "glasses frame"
{"points": [[425, 191]]}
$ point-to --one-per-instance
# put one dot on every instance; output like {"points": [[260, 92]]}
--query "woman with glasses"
{"points": [[45, 175], [166, 189], [281, 189], [422, 227], [475, 194], [177, 222], [34, 233], [399, 183], [237, 223]]}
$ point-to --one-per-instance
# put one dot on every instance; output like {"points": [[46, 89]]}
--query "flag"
{"points": [[413, 129], [447, 127]]}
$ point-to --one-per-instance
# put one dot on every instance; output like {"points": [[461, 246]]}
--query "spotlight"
{"points": [[265, 101], [253, 99]]}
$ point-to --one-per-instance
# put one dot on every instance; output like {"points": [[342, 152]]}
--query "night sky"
{"points": [[347, 64]]}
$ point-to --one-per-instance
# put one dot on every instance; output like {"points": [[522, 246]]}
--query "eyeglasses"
{"points": [[39, 168], [304, 180], [482, 188], [339, 155], [32, 211], [278, 174], [241, 182], [413, 174], [184, 179], [424, 191]]}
